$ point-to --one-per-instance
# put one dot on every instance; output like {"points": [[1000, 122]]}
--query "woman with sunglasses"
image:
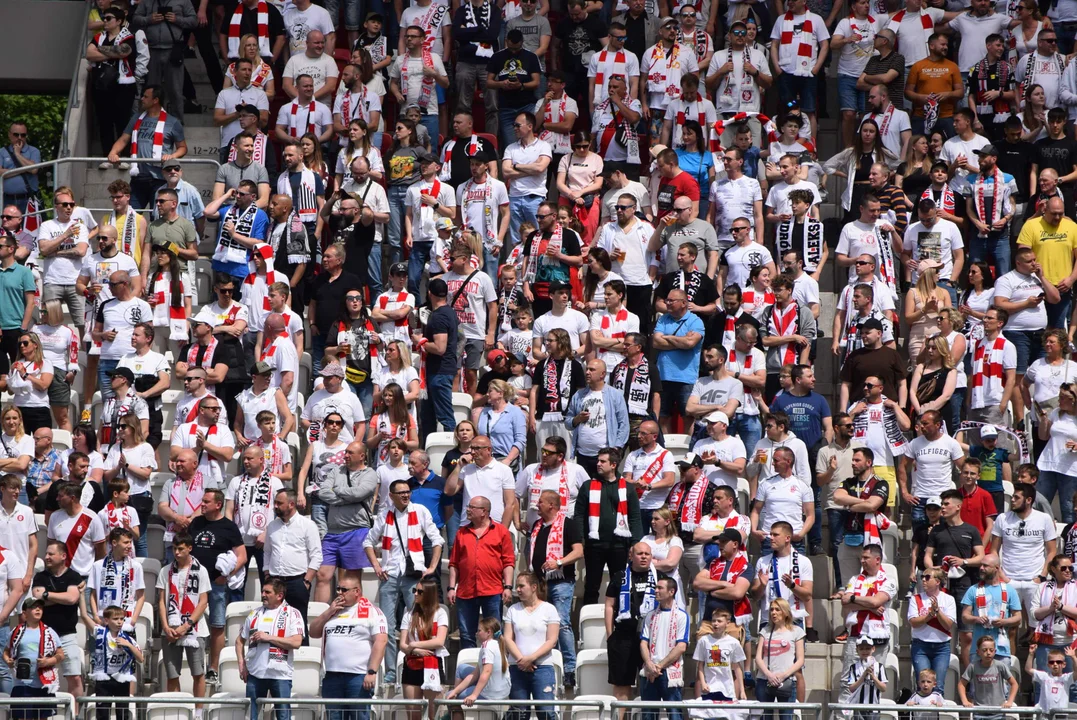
{"points": [[424, 632], [357, 346], [1058, 461], [323, 456], [29, 380], [579, 182], [133, 459], [1052, 608], [933, 379], [60, 347], [1027, 35]]}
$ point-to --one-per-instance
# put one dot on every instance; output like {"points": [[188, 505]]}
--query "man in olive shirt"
{"points": [[172, 231]]}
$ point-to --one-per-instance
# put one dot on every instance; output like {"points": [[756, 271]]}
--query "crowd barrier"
{"points": [[162, 706]]}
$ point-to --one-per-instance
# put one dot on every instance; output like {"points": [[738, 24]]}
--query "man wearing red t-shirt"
{"points": [[675, 183], [977, 506]]}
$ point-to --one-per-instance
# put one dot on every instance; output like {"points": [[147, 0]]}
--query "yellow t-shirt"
{"points": [[1053, 246]]}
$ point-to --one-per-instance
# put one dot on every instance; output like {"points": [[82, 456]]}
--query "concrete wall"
{"points": [[33, 59]]}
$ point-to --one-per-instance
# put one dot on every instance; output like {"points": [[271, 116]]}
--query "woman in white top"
{"points": [[932, 615], [423, 633], [393, 421], [29, 380], [491, 676], [531, 629], [599, 274], [1058, 461], [60, 347], [667, 546], [16, 447], [1034, 114], [135, 460], [397, 370], [358, 146], [950, 324], [322, 454], [84, 440], [976, 299], [1026, 36], [1044, 377], [261, 76]]}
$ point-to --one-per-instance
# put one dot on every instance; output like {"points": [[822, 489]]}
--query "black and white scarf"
{"points": [[253, 503], [812, 249], [690, 282], [894, 436], [557, 387], [228, 248], [637, 393], [293, 235]]}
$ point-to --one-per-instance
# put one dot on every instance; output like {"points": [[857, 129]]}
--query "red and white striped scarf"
{"points": [[689, 503], [729, 571], [979, 193], [158, 139], [663, 79], [616, 67], [535, 488], [472, 150], [429, 664], [539, 247], [555, 544], [981, 601], [401, 298], [804, 50], [718, 127], [594, 508], [863, 588], [294, 112], [414, 536], [1045, 629], [207, 356], [946, 203], [259, 156], [183, 602], [925, 21], [987, 370], [346, 106], [613, 327], [263, 30], [783, 323], [426, 92], [257, 288], [48, 677], [192, 494]]}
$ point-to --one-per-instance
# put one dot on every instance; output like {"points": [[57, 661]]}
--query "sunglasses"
{"points": [[353, 298], [211, 407], [226, 291], [416, 591], [543, 217], [582, 146], [335, 423], [9, 217], [740, 33], [116, 283], [342, 590], [625, 208], [617, 37], [15, 134], [864, 262], [66, 204], [24, 343]]}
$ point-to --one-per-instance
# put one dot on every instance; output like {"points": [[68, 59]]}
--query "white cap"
{"points": [[717, 417], [988, 431]]}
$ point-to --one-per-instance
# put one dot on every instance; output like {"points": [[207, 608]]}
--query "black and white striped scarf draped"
{"points": [[894, 436]]}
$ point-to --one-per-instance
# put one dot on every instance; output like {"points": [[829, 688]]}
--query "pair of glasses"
{"points": [[740, 33], [1065, 568], [864, 262], [65, 204], [625, 208], [582, 146], [543, 217], [869, 386], [9, 217], [226, 291], [342, 590], [742, 227], [24, 343], [354, 298], [116, 283], [680, 210], [416, 591], [548, 452], [211, 408], [618, 37], [160, 201], [335, 423], [19, 135], [1049, 41]]}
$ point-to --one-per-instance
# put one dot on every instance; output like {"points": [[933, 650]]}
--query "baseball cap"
{"points": [[374, 16], [717, 417], [730, 535], [865, 640], [988, 431], [261, 368], [426, 158], [437, 288], [494, 355], [332, 369], [691, 460], [124, 373], [656, 150], [247, 109], [399, 268], [558, 286], [933, 500], [443, 223], [987, 150], [170, 164], [871, 324], [670, 20]]}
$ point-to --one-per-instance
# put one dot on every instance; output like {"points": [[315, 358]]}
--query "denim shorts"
{"points": [[1029, 344], [218, 605], [849, 98], [797, 87], [675, 398]]}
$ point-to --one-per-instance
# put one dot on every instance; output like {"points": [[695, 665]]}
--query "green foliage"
{"points": [[44, 118]]}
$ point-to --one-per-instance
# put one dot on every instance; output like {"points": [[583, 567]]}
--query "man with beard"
{"points": [[639, 384], [355, 102], [788, 330], [247, 158], [895, 130], [701, 290], [293, 551], [304, 186], [550, 252], [735, 196], [425, 202], [992, 90], [262, 153], [291, 246], [357, 221], [249, 503], [728, 319], [833, 466], [990, 207], [992, 607], [936, 243], [242, 225], [879, 423]]}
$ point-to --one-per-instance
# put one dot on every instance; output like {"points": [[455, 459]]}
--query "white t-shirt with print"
{"points": [[783, 499], [1022, 549], [933, 474]]}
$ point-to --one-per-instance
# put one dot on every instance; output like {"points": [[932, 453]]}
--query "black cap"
{"points": [[871, 324], [248, 109], [558, 286], [124, 373], [425, 157], [730, 535], [438, 288], [374, 16], [399, 268], [987, 150]]}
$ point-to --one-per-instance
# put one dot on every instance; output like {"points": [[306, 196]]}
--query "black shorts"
{"points": [[624, 644], [415, 677]]}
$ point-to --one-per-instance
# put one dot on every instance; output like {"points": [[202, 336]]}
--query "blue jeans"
{"points": [[1029, 344], [950, 288], [452, 526], [800, 88], [439, 400], [849, 98], [559, 594], [919, 513], [352, 16], [931, 656], [432, 125], [317, 352], [365, 392], [7, 680], [659, 689], [391, 593], [260, 688], [346, 685], [373, 271], [397, 194], [467, 617], [835, 520], [1052, 483], [521, 209], [1058, 314], [957, 402], [420, 255], [996, 244], [1066, 32], [491, 263], [537, 685], [505, 118], [764, 693], [749, 429], [319, 513], [104, 383]]}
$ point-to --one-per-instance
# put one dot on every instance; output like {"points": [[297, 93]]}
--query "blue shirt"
{"points": [[680, 365], [751, 162], [17, 184], [431, 495], [259, 230], [806, 415], [697, 166], [991, 466], [993, 595], [506, 431], [14, 282]]}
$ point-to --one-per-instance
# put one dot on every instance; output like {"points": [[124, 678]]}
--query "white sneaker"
{"points": [[104, 166], [125, 166]]}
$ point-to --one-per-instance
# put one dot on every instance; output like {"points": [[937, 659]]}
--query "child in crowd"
{"points": [[491, 678], [517, 342], [1053, 685], [927, 694], [510, 297], [278, 456], [35, 654], [115, 653], [719, 662], [116, 580], [117, 513], [865, 681], [984, 677], [521, 381], [994, 463]]}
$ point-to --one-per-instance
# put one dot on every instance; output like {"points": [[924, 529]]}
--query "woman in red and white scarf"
{"points": [[424, 632], [666, 544], [1052, 610], [169, 297], [262, 75], [32, 632]]}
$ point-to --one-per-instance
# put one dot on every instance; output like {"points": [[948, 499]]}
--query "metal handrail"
{"points": [[596, 704], [393, 702], [74, 95], [98, 160], [948, 709], [709, 705], [172, 700]]}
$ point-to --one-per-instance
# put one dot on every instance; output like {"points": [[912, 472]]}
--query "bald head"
{"points": [[274, 325]]}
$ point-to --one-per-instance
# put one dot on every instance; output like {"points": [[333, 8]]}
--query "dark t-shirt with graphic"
{"points": [[213, 538], [506, 65]]}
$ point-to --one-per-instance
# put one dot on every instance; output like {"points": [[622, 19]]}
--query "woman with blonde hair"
{"points": [[922, 305], [16, 447], [28, 380], [261, 75], [951, 323], [666, 547], [490, 676], [933, 379], [424, 630], [504, 423], [775, 665], [60, 346], [359, 145], [1026, 36]]}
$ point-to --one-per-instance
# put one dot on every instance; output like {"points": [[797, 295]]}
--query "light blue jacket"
{"points": [[616, 416], [510, 430]]}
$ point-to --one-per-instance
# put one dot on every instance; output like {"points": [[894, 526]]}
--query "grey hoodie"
{"points": [[351, 497], [164, 35]]}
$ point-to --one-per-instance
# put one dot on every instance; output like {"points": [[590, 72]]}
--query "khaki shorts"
{"points": [[196, 659]]}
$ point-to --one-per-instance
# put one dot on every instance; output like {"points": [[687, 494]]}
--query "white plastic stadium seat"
{"points": [[228, 672], [61, 439], [592, 672], [169, 711], [592, 626], [235, 615]]}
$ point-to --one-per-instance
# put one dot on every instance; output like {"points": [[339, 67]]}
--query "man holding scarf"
{"points": [[426, 201], [686, 502], [265, 646], [992, 607], [785, 573], [863, 603], [788, 331], [863, 497], [664, 639], [728, 578], [181, 497], [414, 75], [554, 546], [737, 76], [291, 246], [630, 596], [613, 125], [243, 225], [611, 522], [182, 602], [249, 503], [879, 424]]}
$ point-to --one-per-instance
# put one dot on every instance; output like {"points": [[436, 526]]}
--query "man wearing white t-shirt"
{"points": [[412, 81], [553, 472], [265, 647], [936, 242], [784, 573], [691, 105], [561, 316], [1044, 67], [778, 207], [959, 152], [62, 242], [1025, 541], [479, 475], [724, 457], [18, 531], [614, 60], [912, 26], [650, 468], [994, 373], [870, 235], [74, 525], [474, 299], [278, 351], [782, 497], [799, 45], [626, 239], [661, 69], [738, 261], [524, 166], [974, 26], [315, 62], [226, 111], [304, 17], [895, 127], [854, 37], [929, 460], [484, 207], [304, 114], [738, 74], [209, 438], [735, 196]]}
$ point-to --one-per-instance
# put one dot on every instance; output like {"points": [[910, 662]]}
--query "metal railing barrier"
{"points": [[497, 709], [76, 92], [60, 707], [851, 711], [97, 161], [162, 706], [317, 708]]}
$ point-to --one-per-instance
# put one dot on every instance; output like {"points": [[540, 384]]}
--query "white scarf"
{"points": [[229, 249], [472, 192]]}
